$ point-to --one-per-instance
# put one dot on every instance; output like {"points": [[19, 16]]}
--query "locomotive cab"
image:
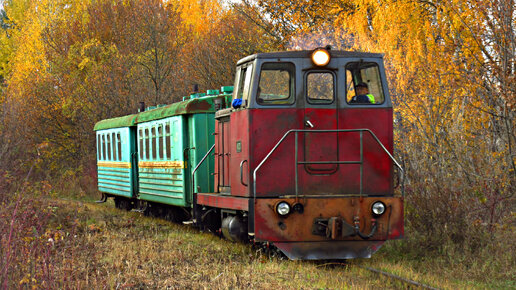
{"points": [[303, 157]]}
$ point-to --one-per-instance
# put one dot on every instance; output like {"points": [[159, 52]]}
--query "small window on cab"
{"points": [[243, 82], [320, 87], [277, 83], [358, 74]]}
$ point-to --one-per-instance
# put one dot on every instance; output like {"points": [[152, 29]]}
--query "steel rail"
{"points": [[392, 276], [407, 281]]}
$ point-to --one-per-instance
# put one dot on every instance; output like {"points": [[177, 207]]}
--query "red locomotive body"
{"points": [[303, 158]]}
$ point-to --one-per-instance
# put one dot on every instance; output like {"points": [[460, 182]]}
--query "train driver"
{"points": [[363, 94]]}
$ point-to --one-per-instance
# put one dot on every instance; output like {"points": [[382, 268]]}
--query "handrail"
{"points": [[242, 173], [194, 195], [328, 162]]}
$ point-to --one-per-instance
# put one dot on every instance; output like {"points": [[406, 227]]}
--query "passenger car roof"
{"points": [[191, 106]]}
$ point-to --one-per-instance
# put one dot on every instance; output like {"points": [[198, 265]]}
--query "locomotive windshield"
{"points": [[276, 84], [364, 85], [320, 88]]}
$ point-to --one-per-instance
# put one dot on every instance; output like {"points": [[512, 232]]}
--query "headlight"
{"points": [[320, 57], [378, 208], [283, 208]]}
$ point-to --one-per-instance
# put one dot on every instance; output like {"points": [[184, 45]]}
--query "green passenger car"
{"points": [[116, 165], [159, 149]]}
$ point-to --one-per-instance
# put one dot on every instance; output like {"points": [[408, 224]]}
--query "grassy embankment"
{"points": [[96, 245], [54, 242]]}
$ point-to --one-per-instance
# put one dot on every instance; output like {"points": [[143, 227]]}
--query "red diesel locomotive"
{"points": [[303, 157]]}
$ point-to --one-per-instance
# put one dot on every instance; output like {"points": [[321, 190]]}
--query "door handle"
{"points": [[309, 124]]}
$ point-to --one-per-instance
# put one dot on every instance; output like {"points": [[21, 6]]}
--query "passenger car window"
{"points": [[168, 139], [363, 83], [141, 143], [320, 88], [147, 144], [119, 149], [154, 149], [99, 148], [108, 146], [276, 86], [113, 143], [104, 147]]}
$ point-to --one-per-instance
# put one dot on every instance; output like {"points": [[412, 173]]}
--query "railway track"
{"points": [[406, 282]]}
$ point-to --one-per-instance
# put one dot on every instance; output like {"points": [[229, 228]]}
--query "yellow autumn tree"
{"points": [[71, 63], [24, 64], [452, 75]]}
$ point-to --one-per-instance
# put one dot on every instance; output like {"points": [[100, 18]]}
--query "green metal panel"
{"points": [[114, 162], [200, 135], [125, 121], [134, 159], [161, 174]]}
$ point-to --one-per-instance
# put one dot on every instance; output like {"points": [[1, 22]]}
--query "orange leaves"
{"points": [[200, 15]]}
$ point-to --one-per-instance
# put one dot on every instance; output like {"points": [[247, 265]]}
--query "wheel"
{"points": [[117, 202], [152, 210], [126, 204], [174, 214]]}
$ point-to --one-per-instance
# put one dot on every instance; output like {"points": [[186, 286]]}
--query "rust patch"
{"points": [[199, 106], [341, 212]]}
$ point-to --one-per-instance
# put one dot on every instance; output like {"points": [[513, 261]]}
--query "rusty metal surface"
{"points": [[329, 250], [222, 154], [257, 131], [268, 126], [269, 226], [239, 128], [223, 201]]}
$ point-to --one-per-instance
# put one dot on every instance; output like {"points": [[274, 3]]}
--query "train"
{"points": [[296, 155]]}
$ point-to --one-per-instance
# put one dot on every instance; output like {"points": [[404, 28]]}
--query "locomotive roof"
{"points": [[191, 106], [307, 54]]}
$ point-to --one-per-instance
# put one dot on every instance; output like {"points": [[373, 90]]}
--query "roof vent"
{"points": [[227, 89]]}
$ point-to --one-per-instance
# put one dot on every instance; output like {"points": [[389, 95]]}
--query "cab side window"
{"points": [[276, 86], [363, 83], [242, 82]]}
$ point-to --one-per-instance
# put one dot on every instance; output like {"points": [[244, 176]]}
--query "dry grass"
{"points": [[80, 244], [132, 251]]}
